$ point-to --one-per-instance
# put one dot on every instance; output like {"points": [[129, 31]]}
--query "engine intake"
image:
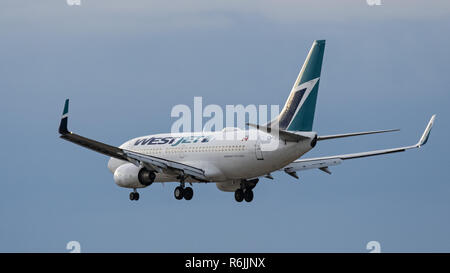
{"points": [[146, 177]]}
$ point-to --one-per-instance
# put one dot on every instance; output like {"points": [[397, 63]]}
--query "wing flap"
{"points": [[313, 163]]}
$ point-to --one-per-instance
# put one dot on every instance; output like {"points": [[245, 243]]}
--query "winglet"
{"points": [[65, 115], [426, 134]]}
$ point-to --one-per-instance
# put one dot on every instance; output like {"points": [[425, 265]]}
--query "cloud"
{"points": [[159, 15], [282, 11]]}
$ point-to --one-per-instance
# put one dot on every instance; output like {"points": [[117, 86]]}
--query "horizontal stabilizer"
{"points": [[282, 134], [355, 134]]}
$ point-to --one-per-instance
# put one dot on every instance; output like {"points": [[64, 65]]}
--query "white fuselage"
{"points": [[226, 155]]}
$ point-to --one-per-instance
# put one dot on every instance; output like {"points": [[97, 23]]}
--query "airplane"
{"points": [[235, 165]]}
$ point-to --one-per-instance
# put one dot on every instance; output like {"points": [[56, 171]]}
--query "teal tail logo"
{"points": [[298, 112]]}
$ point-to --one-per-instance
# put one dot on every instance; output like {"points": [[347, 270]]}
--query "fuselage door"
{"points": [[258, 151]]}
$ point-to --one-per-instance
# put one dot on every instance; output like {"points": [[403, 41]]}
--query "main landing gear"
{"points": [[134, 195], [181, 192], [243, 194]]}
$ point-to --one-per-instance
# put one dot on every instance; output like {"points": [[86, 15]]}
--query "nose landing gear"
{"points": [[178, 193], [134, 195]]}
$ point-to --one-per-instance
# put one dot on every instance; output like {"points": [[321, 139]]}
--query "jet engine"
{"points": [[146, 177], [130, 176]]}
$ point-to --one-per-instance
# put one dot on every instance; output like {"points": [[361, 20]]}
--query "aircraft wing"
{"points": [[322, 163], [163, 165], [150, 162]]}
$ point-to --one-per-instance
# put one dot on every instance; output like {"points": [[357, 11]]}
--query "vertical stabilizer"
{"points": [[298, 112]]}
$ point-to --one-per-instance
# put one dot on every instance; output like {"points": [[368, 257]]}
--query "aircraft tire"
{"points": [[248, 195], [239, 195], [188, 193], [178, 193]]}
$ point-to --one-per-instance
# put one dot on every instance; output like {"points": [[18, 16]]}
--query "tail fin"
{"points": [[298, 112]]}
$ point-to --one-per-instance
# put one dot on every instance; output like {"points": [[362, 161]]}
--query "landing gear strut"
{"points": [[134, 195]]}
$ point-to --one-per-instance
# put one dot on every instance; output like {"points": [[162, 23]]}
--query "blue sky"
{"points": [[125, 64]]}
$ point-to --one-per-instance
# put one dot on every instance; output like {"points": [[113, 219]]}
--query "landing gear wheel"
{"points": [[188, 193], [239, 195], [248, 195], [178, 193], [134, 196]]}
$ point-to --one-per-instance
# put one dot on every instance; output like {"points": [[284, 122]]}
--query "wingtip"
{"points": [[426, 134], [64, 119], [66, 107]]}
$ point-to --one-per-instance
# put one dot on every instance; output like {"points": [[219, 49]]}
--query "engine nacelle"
{"points": [[130, 176]]}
